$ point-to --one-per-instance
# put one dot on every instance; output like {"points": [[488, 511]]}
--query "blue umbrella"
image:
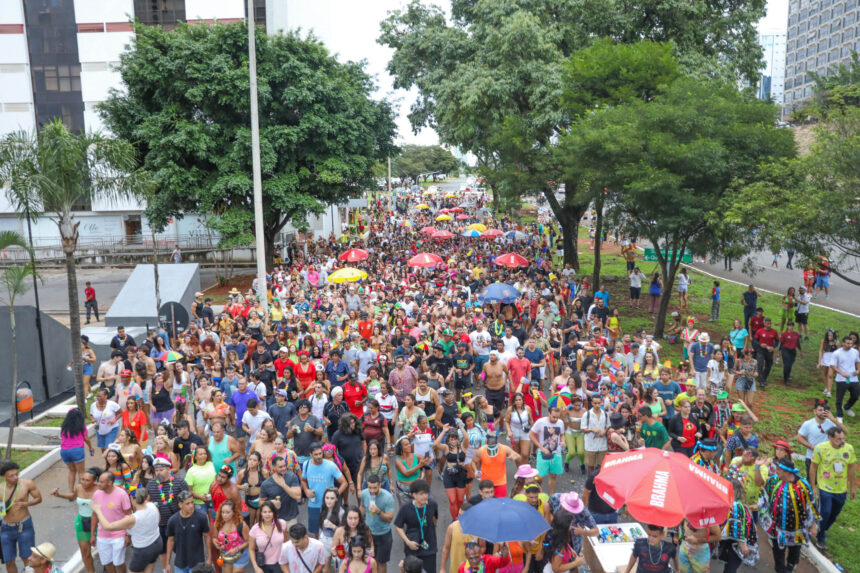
{"points": [[500, 519], [499, 292], [516, 235], [416, 187], [471, 233]]}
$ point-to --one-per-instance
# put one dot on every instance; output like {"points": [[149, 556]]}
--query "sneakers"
{"points": [[839, 419], [827, 393], [827, 297], [850, 412]]}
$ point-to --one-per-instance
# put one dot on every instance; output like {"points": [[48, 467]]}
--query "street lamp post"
{"points": [[255, 158]]}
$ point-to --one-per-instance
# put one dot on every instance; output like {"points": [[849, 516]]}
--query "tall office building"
{"points": [[773, 75], [59, 58], [821, 35]]}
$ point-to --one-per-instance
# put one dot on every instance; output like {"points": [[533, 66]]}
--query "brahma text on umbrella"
{"points": [[622, 460], [711, 478], [658, 490]]}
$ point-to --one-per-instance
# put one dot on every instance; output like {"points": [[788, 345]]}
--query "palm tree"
{"points": [[52, 172], [15, 280]]}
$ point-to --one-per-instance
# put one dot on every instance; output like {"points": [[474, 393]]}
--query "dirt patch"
{"points": [[218, 293]]}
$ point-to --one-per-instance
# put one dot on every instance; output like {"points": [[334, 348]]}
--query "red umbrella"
{"points": [[511, 260], [463, 217], [442, 235], [663, 488], [353, 255], [492, 233], [444, 211], [455, 210], [429, 230], [424, 260]]}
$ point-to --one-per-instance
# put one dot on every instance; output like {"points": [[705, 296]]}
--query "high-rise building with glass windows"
{"points": [[773, 75], [821, 35]]}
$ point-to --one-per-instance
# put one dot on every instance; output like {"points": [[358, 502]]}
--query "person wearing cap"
{"points": [[789, 516], [832, 474], [478, 560], [125, 388], [701, 351], [282, 411], [706, 455], [164, 490]]}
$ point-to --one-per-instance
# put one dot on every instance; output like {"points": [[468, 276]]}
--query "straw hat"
{"points": [[46, 550]]}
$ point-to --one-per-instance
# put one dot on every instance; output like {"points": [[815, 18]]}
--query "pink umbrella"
{"points": [[424, 260], [442, 235], [429, 230], [492, 233], [353, 255], [463, 217], [511, 260], [455, 210]]}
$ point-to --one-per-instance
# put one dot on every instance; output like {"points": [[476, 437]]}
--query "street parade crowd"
{"points": [[433, 342]]}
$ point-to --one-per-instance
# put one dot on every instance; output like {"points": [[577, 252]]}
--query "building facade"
{"points": [[59, 59], [821, 35], [773, 75]]}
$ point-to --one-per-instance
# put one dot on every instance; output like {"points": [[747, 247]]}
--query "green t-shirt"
{"points": [[655, 435], [832, 475], [446, 346], [199, 479]]}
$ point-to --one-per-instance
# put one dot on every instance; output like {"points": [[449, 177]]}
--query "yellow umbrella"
{"points": [[449, 196], [477, 227], [428, 192], [443, 218], [347, 275], [422, 206]]}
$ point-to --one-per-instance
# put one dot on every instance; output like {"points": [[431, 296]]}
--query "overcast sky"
{"points": [[350, 29]]}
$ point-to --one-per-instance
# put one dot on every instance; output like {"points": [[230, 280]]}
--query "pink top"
{"points": [[271, 548], [68, 442], [114, 506]]}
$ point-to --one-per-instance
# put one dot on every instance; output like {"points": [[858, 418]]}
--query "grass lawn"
{"points": [[49, 421], [781, 409], [23, 457]]}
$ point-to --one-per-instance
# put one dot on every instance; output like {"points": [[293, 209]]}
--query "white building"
{"points": [[773, 75], [58, 59]]}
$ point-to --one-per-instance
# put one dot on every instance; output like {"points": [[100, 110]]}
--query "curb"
{"points": [[818, 559], [41, 465]]}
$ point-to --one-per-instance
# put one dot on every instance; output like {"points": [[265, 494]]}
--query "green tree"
{"points": [[490, 80], [185, 104], [667, 163], [811, 203], [16, 281], [48, 174], [415, 160]]}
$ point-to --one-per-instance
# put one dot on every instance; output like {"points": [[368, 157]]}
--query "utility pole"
{"points": [[255, 157]]}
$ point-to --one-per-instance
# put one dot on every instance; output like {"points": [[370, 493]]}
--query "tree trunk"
{"points": [[668, 269], [598, 231], [75, 328], [13, 414], [568, 216]]}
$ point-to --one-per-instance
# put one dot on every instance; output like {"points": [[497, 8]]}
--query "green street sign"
{"points": [[651, 255]]}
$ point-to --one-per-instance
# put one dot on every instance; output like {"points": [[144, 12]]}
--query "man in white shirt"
{"points": [[846, 363], [594, 424], [814, 431], [252, 420], [801, 313], [303, 554], [480, 345], [511, 342], [547, 435]]}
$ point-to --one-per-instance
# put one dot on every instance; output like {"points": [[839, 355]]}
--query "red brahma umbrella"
{"points": [[424, 260], [429, 230], [663, 488], [511, 260], [353, 255], [492, 233], [442, 235]]}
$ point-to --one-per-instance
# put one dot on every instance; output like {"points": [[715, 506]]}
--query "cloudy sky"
{"points": [[350, 29]]}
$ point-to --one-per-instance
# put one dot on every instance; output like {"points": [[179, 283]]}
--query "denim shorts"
{"points": [[107, 439], [88, 369], [73, 455], [17, 539]]}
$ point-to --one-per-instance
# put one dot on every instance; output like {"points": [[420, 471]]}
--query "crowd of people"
{"points": [[352, 398]]}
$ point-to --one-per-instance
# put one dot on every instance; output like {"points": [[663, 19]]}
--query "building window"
{"points": [[836, 26], [164, 13], [52, 39], [259, 12]]}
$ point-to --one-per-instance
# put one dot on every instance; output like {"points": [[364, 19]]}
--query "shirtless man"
{"points": [[496, 377], [17, 534]]}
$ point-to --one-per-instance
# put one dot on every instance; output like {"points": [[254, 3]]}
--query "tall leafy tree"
{"points": [[489, 79], [51, 172], [414, 160], [669, 161], [811, 203], [185, 105]]}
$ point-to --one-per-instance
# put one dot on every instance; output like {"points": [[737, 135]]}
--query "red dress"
{"points": [[306, 375]]}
